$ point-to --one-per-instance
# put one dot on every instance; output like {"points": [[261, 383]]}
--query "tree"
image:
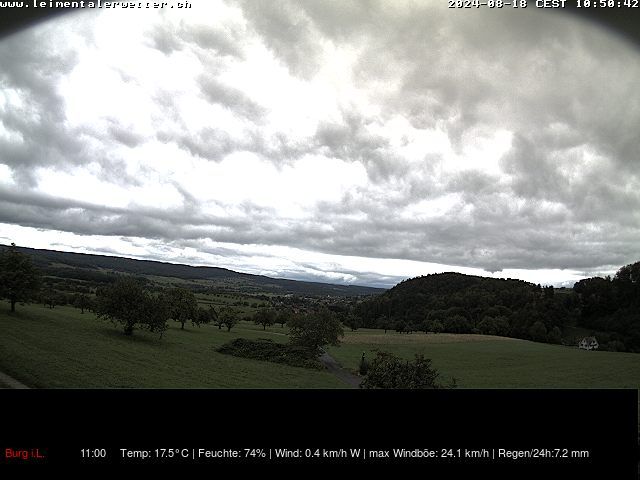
{"points": [[265, 317], [155, 314], [183, 306], [204, 316], [352, 321], [315, 330], [218, 321], [383, 323], [538, 332], [436, 326], [50, 298], [228, 318], [364, 365], [283, 316], [80, 301], [19, 279], [627, 282], [554, 335], [126, 302], [457, 324], [389, 371]]}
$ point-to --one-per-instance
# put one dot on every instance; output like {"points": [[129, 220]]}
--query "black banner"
{"points": [[581, 433]]}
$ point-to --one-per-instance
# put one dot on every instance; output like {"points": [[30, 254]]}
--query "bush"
{"points": [[364, 366], [269, 351], [389, 371]]}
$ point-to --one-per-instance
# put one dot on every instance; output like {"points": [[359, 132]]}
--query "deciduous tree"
{"points": [[125, 302], [19, 279], [183, 306], [315, 330]]}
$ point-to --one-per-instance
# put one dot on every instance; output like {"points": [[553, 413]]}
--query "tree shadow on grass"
{"points": [[186, 330], [138, 336]]}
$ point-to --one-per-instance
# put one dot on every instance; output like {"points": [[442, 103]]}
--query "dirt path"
{"points": [[334, 367], [9, 382]]}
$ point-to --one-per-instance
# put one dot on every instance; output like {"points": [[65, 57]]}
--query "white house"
{"points": [[588, 343]]}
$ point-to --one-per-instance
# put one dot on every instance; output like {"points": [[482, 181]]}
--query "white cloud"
{"points": [[346, 141]]}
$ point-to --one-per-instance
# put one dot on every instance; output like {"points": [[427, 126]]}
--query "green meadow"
{"points": [[62, 348], [481, 361]]}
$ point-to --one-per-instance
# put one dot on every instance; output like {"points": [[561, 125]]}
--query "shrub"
{"points": [[364, 366], [389, 371], [269, 351]]}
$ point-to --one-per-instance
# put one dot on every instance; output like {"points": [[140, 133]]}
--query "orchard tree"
{"points": [[80, 301], [229, 318], [219, 320], [125, 302], [315, 330], [19, 280], [50, 298], [183, 306], [265, 317], [283, 316], [155, 314], [205, 316]]}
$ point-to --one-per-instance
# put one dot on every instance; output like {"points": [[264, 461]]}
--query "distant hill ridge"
{"points": [[49, 260]]}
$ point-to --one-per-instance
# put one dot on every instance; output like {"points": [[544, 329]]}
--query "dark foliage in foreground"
{"points": [[267, 350], [389, 371]]}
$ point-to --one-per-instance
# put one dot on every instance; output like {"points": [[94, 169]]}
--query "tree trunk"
{"points": [[13, 304], [182, 328], [128, 329], [264, 327]]}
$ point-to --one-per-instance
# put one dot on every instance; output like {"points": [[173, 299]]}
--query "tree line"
{"points": [[457, 303], [447, 302]]}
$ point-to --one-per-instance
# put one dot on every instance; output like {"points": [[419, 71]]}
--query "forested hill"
{"points": [[457, 303], [471, 297], [100, 268]]}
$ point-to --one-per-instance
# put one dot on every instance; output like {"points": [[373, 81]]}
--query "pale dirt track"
{"points": [[9, 382], [334, 368]]}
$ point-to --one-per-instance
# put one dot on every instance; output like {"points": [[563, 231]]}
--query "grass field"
{"points": [[62, 348], [480, 361]]}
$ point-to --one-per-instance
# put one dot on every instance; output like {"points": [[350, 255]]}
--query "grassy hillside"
{"points": [[63, 348], [482, 361]]}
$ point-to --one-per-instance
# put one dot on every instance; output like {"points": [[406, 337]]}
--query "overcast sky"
{"points": [[342, 141]]}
